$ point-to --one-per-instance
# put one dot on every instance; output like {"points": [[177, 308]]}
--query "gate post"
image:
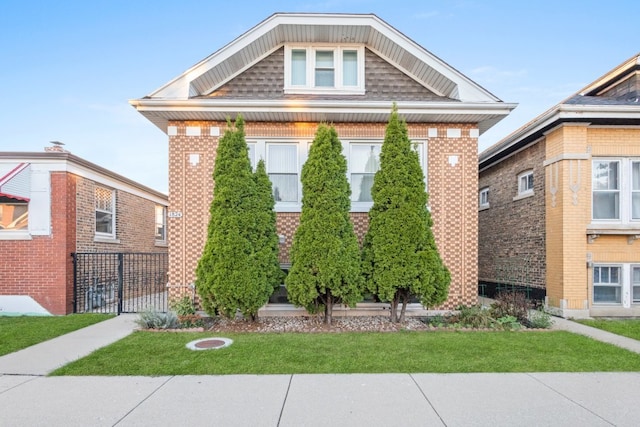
{"points": [[75, 282], [120, 281]]}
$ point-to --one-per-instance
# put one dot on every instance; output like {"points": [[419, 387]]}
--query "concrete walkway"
{"points": [[28, 398]]}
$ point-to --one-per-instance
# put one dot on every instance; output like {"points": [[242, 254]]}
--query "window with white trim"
{"points": [[615, 190], [635, 284], [161, 223], [607, 286], [606, 189], [635, 190], [282, 168], [525, 183], [105, 208], [483, 198], [284, 160], [364, 162], [324, 69]]}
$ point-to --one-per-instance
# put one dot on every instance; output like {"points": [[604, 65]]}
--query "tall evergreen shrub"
{"points": [[325, 266], [235, 272], [400, 260]]}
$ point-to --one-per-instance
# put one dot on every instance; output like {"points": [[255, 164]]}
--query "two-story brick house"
{"points": [[560, 201], [290, 73], [53, 204]]}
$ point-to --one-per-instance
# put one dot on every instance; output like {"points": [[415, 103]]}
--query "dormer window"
{"points": [[324, 69]]}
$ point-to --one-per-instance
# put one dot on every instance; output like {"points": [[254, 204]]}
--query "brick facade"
{"points": [[451, 184], [42, 267], [582, 225], [511, 232]]}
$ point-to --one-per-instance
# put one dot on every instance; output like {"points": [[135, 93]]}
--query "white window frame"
{"points": [[523, 184], [310, 85], [260, 147], [483, 198], [100, 234], [420, 146], [631, 284], [632, 190], [625, 191], [260, 152], [163, 218], [620, 284]]}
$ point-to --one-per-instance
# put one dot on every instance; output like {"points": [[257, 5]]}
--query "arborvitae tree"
{"points": [[400, 257], [265, 234], [231, 275], [325, 267]]}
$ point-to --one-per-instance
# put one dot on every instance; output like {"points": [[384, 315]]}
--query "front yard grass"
{"points": [[164, 353], [629, 328], [21, 332]]}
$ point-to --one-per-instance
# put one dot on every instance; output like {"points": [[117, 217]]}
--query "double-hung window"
{"points": [[324, 69], [364, 163], [105, 208], [363, 158], [525, 183], [615, 187], [635, 284], [161, 223], [282, 168], [607, 285], [635, 190], [483, 196], [606, 189]]}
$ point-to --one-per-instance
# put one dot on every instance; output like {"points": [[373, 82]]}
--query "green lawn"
{"points": [[20, 332], [629, 328], [152, 353]]}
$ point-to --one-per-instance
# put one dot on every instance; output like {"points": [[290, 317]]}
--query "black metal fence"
{"points": [[119, 282]]}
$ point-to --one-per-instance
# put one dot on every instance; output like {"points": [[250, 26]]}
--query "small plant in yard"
{"points": [[510, 303], [184, 306], [474, 316], [509, 323], [153, 319], [539, 319]]}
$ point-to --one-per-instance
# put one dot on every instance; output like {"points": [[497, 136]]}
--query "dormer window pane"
{"points": [[350, 68], [299, 67], [324, 68]]}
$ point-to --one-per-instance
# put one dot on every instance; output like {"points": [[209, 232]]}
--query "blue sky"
{"points": [[70, 67]]}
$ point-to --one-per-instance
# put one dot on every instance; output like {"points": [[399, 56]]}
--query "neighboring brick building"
{"points": [[53, 204], [561, 197], [293, 71]]}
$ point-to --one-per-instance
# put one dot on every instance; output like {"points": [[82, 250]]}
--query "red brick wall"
{"points": [[135, 221], [43, 268]]}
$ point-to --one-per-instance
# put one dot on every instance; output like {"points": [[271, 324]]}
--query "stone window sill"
{"points": [[523, 196]]}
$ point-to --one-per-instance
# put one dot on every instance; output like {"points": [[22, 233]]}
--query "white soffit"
{"points": [[272, 33]]}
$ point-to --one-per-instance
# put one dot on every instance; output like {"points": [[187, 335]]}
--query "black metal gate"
{"points": [[119, 282]]}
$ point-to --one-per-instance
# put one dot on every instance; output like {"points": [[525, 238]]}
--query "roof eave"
{"points": [[161, 111], [560, 113]]}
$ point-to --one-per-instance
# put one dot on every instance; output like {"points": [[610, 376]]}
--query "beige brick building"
{"points": [[566, 190], [290, 73]]}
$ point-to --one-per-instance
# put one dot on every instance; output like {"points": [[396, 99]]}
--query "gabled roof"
{"points": [[185, 97], [613, 99]]}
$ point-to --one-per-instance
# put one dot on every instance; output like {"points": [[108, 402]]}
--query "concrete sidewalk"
{"points": [[28, 398], [43, 358], [533, 399]]}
